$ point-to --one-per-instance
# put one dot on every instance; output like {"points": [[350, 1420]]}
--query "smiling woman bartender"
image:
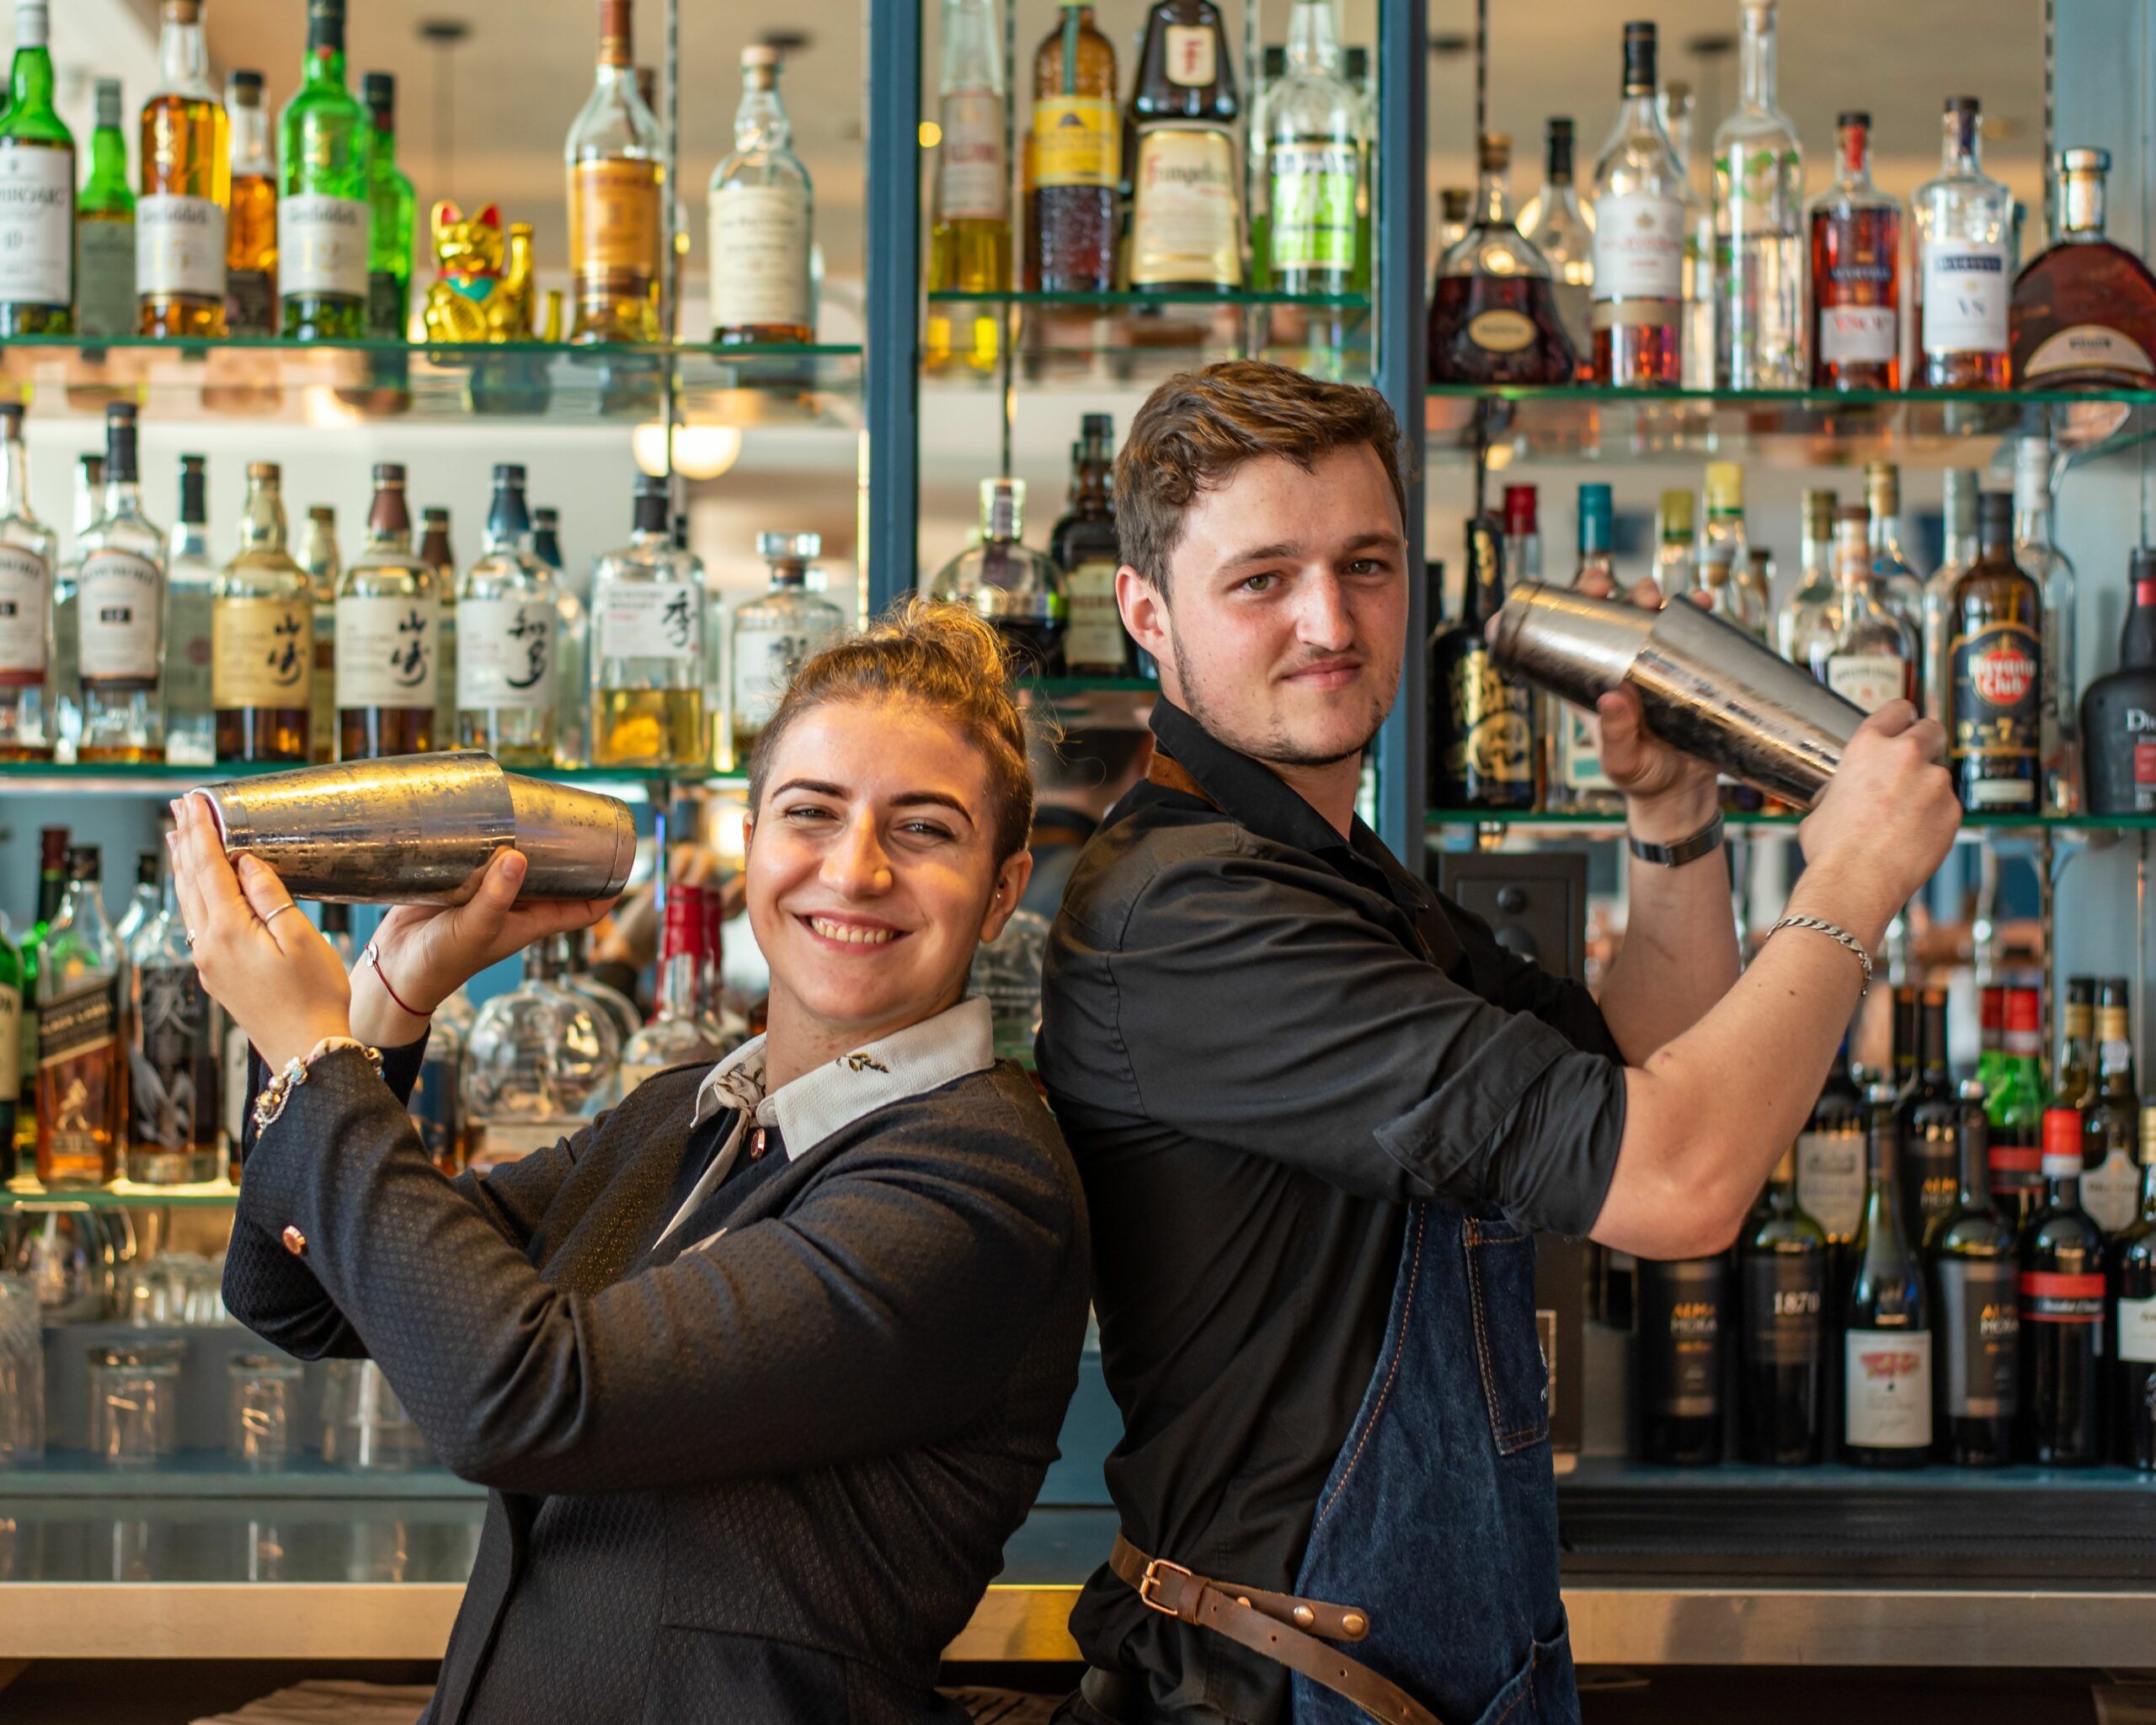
{"points": [[762, 1367]]}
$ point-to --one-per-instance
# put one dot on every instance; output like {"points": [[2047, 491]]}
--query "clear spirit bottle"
{"points": [[262, 636], [575, 958], [1579, 782], [1963, 267], [614, 156], [2084, 315], [571, 644], [507, 620], [82, 1068], [324, 566], [251, 229], [1722, 534], [1900, 591], [322, 215], [174, 1056], [969, 242], [119, 608], [1493, 315], [1640, 232], [37, 189], [179, 221], [647, 645], [1314, 161], [28, 550], [389, 650], [1856, 646], [761, 219], [190, 597], [1815, 589], [143, 904], [1554, 224], [1959, 550], [1016, 588], [390, 202], [440, 557], [772, 637], [1857, 271], [675, 1037], [105, 227], [1675, 553], [537, 1059], [2037, 550], [1727, 597], [1759, 227]]}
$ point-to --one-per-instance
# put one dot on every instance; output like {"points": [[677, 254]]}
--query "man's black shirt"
{"points": [[1261, 1041]]}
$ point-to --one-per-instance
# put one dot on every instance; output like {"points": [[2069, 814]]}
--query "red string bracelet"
{"points": [[374, 958]]}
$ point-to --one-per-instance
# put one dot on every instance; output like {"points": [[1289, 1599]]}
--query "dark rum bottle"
{"points": [[2062, 1295], [1857, 271], [1073, 160], [1784, 1265], [1886, 1336], [2083, 312], [1995, 654], [1482, 746], [1972, 1257], [1493, 313], [1185, 198]]}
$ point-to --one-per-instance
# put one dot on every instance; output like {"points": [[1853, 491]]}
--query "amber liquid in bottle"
{"points": [[251, 222], [185, 153], [1856, 273], [614, 230], [1074, 155]]}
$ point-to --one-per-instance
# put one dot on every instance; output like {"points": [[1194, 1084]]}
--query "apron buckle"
{"points": [[1148, 1584]]}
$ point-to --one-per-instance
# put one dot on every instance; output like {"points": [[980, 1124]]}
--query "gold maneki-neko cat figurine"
{"points": [[485, 292]]}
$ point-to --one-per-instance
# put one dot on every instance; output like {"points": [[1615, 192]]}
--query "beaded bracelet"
{"points": [[270, 1103]]}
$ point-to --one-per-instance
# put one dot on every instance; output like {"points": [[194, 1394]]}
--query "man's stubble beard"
{"points": [[1276, 751]]}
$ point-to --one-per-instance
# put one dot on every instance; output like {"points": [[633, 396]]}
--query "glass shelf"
{"points": [[1569, 824], [20, 778], [121, 1194], [1777, 428], [332, 383]]}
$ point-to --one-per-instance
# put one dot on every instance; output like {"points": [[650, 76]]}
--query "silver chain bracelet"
{"points": [[1840, 935]]}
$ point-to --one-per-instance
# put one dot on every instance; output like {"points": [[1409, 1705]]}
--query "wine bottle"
{"points": [[2016, 1109], [2133, 1315], [1682, 1304], [1887, 1340], [1830, 1157], [1976, 1307], [2110, 1186], [1930, 1116], [1785, 1279], [2062, 1311]]}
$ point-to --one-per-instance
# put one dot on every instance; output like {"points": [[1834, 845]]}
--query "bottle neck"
{"points": [[1935, 1066], [1313, 44], [1756, 50], [14, 475], [325, 59], [1852, 556], [109, 156], [2137, 639], [122, 496], [85, 905], [1000, 518], [183, 59], [29, 78], [760, 122], [972, 56], [1975, 1174], [679, 971], [389, 521], [250, 154], [1854, 147], [1960, 153], [262, 528], [385, 141], [1557, 161], [1490, 199], [1886, 508], [508, 522]]}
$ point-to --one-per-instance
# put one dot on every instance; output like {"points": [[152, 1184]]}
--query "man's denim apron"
{"points": [[1439, 1518]]}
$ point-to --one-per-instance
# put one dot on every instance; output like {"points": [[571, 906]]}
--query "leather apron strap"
{"points": [[1279, 1625], [1171, 775]]}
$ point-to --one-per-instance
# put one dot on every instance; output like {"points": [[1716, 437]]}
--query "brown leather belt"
{"points": [[1280, 1625]]}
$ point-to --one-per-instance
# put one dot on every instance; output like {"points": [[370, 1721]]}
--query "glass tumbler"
{"points": [[135, 1401], [262, 1406], [22, 1371]]}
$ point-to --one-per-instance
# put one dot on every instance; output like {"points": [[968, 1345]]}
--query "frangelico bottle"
{"points": [[1783, 1263], [1930, 1115], [1186, 210], [1976, 1308], [2133, 1315], [1483, 748], [1995, 651], [1684, 1309], [81, 1069], [2062, 1297], [1886, 1338]]}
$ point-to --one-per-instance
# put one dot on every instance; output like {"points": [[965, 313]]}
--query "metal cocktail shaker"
{"points": [[1706, 687], [418, 829]]}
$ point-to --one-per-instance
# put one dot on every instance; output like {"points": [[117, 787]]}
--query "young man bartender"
{"points": [[1316, 1106]]}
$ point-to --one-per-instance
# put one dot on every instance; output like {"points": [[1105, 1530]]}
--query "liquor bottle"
{"points": [[28, 548], [2110, 1180], [319, 558], [67, 611], [1455, 206], [1784, 1266], [388, 616], [1963, 486], [1017, 588], [1578, 782], [572, 641], [261, 637], [190, 598], [440, 559], [1639, 237], [37, 189], [546, 540], [2062, 1293], [105, 227], [1972, 1256], [1855, 646], [772, 636], [1313, 178], [1482, 746], [1964, 225], [1682, 1307], [51, 889], [251, 231], [81, 1072], [2035, 550], [1723, 530], [969, 240], [390, 204], [1522, 534], [1857, 271], [179, 223], [143, 904], [615, 156], [674, 1038], [761, 219], [1929, 1120], [537, 1059], [507, 618], [1727, 597], [2133, 1315], [2074, 1074], [1493, 316], [1758, 226], [1815, 590], [1674, 560], [2118, 713], [2083, 310], [1892, 575], [11, 1052], [436, 1107], [121, 609], [2015, 1107], [1186, 210], [1074, 154], [575, 968], [1886, 1339], [1272, 73], [1995, 649], [648, 645], [1083, 543], [1552, 222], [323, 219], [172, 1057]]}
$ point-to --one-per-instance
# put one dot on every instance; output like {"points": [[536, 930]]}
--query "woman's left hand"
{"points": [[258, 954]]}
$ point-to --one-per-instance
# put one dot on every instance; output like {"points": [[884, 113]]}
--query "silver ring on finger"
{"points": [[289, 905]]}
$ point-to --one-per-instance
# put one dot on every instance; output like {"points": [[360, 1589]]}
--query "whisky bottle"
{"points": [[262, 636], [1073, 159], [536, 1057], [1852, 643], [1313, 161], [761, 219], [1638, 310], [969, 241], [648, 645], [2015, 1105], [2062, 1294], [2118, 713], [614, 158], [119, 611], [318, 556], [2083, 312], [174, 1058], [1857, 271], [2037, 550], [1758, 226], [37, 189], [774, 635], [179, 221], [1964, 223], [1996, 653], [1783, 1263], [440, 559], [51, 889], [251, 231], [388, 618], [1083, 543], [1186, 208], [1482, 746], [1016, 588], [191, 595], [81, 1072], [1887, 1364], [1976, 1308], [324, 144], [2110, 1182], [105, 227], [390, 204], [28, 548], [507, 620]]}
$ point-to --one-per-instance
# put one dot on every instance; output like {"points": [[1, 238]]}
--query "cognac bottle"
{"points": [[2084, 315], [1493, 316]]}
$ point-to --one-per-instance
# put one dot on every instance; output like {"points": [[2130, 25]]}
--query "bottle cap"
{"points": [[1495, 153], [83, 862], [1676, 510], [1852, 117], [2084, 161], [789, 547], [1964, 107], [653, 504], [2116, 992], [1995, 518], [2061, 1142], [1725, 488], [1639, 58], [1597, 517], [1276, 61], [548, 516], [388, 473], [1453, 200], [2141, 564], [2080, 990], [322, 512], [508, 473], [1819, 507], [264, 472], [2148, 1132], [2032, 474], [11, 417], [2024, 1011], [108, 93], [245, 88], [1857, 512], [52, 846], [759, 54], [378, 89], [1882, 484], [1519, 509], [146, 868], [434, 516]]}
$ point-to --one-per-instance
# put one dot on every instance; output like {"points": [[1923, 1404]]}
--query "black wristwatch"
{"points": [[1705, 840]]}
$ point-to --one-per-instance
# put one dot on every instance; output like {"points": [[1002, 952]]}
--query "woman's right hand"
{"points": [[428, 952]]}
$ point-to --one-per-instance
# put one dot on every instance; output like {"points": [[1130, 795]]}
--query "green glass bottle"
{"points": [[11, 1050], [104, 228], [325, 145], [51, 887], [2016, 1107], [390, 197], [37, 189]]}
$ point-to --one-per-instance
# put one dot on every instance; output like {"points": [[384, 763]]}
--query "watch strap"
{"points": [[1707, 839]]}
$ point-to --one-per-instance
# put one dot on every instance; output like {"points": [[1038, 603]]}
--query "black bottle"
{"points": [[2118, 711], [1886, 1336], [1975, 1274], [1084, 547], [1783, 1259], [2062, 1296], [2133, 1315], [1928, 1117], [1482, 744], [1684, 1308]]}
